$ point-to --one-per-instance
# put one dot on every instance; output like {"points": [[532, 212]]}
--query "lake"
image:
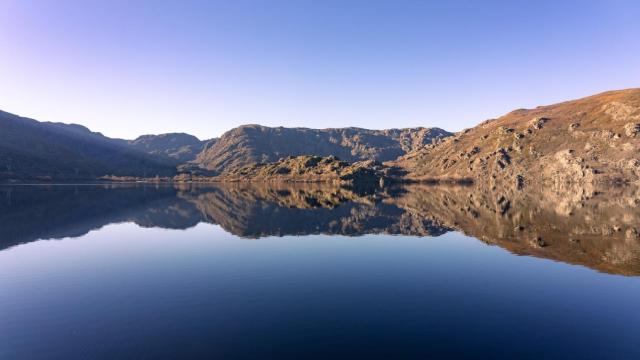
{"points": [[306, 271]]}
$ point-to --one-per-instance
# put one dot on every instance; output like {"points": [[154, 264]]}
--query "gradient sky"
{"points": [[127, 68]]}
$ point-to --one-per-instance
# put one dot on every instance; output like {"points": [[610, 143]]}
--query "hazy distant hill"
{"points": [[251, 144], [593, 139], [179, 147], [41, 150]]}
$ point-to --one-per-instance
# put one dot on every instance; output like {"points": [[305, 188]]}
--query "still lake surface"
{"points": [[238, 271]]}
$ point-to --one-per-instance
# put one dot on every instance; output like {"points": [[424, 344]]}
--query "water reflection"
{"points": [[580, 225]]}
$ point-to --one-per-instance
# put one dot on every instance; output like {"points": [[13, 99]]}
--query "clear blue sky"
{"points": [[127, 68]]}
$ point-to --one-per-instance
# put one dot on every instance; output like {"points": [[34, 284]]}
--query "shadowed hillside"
{"points": [[177, 147], [32, 150]]}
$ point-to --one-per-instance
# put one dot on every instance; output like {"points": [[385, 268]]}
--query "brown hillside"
{"points": [[594, 139]]}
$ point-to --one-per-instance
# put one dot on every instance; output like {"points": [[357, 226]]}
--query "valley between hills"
{"points": [[593, 140]]}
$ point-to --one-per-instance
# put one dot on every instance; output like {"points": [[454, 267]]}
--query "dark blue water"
{"points": [[133, 290]]}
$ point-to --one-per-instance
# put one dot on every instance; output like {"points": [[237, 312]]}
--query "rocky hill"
{"points": [[253, 144], [594, 139], [178, 147], [308, 168], [32, 150]]}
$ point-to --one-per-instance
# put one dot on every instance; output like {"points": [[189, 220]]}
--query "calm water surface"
{"points": [[104, 272]]}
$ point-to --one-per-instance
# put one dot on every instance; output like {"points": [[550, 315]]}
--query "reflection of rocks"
{"points": [[574, 224], [257, 211]]}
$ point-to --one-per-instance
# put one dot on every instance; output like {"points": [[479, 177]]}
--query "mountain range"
{"points": [[32, 150], [594, 139]]}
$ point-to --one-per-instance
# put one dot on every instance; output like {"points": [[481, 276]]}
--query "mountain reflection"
{"points": [[577, 225]]}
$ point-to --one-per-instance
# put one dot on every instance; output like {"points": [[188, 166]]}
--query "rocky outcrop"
{"points": [[568, 168], [309, 168], [632, 129]]}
